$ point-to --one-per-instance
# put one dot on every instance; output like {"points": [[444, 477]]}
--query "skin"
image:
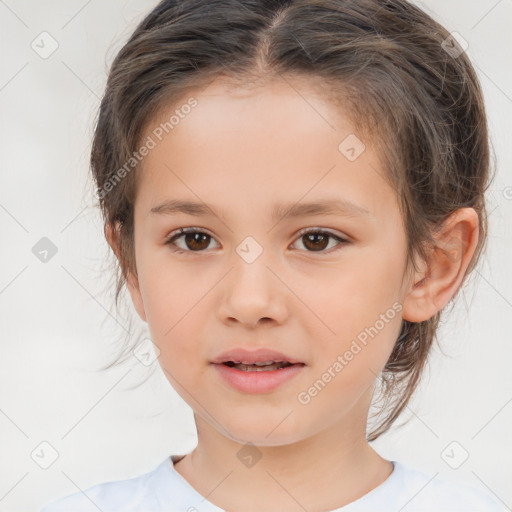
{"points": [[241, 152]]}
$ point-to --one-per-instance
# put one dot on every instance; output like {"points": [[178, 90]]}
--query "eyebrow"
{"points": [[279, 211]]}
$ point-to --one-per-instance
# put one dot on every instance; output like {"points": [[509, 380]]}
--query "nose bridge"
{"points": [[252, 288], [252, 261]]}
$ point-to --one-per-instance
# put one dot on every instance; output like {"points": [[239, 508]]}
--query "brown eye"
{"points": [[193, 240], [318, 241], [197, 241]]}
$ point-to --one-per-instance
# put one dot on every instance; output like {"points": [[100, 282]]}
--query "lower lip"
{"points": [[256, 381]]}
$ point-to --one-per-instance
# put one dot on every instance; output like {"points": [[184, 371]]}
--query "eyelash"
{"points": [[185, 231]]}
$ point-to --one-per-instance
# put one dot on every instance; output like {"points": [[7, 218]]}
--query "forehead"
{"points": [[260, 111], [281, 139]]}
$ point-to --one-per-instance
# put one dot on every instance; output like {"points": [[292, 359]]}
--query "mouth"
{"points": [[264, 366], [258, 377], [253, 360]]}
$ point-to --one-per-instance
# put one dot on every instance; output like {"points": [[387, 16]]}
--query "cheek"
{"points": [[347, 366], [357, 291], [360, 312], [174, 308]]}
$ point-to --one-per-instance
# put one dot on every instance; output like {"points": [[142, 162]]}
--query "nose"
{"points": [[253, 293]]}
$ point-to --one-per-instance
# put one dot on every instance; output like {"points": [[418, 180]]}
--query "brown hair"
{"points": [[388, 62]]}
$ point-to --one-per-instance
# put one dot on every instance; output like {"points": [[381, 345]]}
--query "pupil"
{"points": [[192, 239], [315, 237]]}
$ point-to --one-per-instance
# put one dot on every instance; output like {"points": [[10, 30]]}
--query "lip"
{"points": [[254, 382], [253, 356]]}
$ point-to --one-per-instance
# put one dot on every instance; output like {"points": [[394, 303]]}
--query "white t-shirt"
{"points": [[164, 489]]}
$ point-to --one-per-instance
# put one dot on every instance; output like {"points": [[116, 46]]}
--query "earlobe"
{"points": [[416, 305], [439, 281], [132, 283]]}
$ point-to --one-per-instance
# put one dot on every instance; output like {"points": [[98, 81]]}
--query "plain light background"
{"points": [[58, 324]]}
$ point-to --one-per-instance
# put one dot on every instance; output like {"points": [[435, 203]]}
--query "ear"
{"points": [[440, 279], [132, 282]]}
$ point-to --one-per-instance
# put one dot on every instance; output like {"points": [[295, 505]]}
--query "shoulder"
{"points": [[112, 496], [420, 492]]}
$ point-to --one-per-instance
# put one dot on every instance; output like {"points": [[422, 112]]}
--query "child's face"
{"points": [[315, 300]]}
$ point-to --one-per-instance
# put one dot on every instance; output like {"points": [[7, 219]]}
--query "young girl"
{"points": [[294, 191]]}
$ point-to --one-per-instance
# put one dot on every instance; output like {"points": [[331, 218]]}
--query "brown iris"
{"points": [[319, 241], [197, 241]]}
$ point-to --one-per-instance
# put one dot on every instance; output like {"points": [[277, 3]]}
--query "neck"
{"points": [[238, 476]]}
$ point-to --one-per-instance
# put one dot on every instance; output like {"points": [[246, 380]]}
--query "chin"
{"points": [[263, 430]]}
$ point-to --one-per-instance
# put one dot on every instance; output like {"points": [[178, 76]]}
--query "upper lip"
{"points": [[243, 355]]}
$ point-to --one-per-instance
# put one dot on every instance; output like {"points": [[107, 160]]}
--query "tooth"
{"points": [[261, 368]]}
